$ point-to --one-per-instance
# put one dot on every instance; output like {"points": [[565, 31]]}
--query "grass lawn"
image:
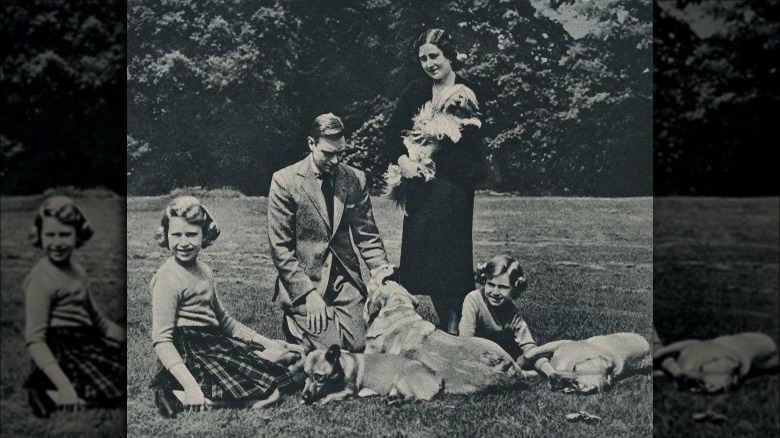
{"points": [[716, 272], [104, 259], [589, 263]]}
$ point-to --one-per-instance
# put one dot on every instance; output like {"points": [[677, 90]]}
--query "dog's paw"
{"points": [[557, 382], [683, 382], [395, 400]]}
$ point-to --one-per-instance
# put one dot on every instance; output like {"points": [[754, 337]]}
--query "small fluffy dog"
{"points": [[439, 120], [718, 364], [333, 374], [591, 364], [466, 365]]}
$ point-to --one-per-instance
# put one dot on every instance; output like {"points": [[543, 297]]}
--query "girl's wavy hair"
{"points": [[193, 212], [67, 212], [499, 265], [444, 41]]}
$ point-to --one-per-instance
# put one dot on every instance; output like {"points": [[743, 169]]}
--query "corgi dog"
{"points": [[334, 374]]}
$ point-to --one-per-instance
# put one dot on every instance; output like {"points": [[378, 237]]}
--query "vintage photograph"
{"points": [[62, 219], [716, 219], [389, 218]]}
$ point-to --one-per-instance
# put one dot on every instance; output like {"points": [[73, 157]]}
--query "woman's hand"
{"points": [[316, 311], [409, 169]]}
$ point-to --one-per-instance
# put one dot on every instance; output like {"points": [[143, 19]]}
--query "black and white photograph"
{"points": [[62, 219], [716, 267], [390, 218]]}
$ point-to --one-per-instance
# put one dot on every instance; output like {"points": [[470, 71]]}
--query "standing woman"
{"points": [[436, 248]]}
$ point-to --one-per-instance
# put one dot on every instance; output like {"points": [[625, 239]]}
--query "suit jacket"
{"points": [[303, 244]]}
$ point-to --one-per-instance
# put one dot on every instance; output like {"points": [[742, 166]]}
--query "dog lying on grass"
{"points": [[718, 364], [466, 365], [592, 364], [333, 374]]}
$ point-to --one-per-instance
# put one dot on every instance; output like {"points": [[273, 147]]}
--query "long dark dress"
{"points": [[436, 247]]}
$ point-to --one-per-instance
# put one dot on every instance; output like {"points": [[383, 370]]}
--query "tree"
{"points": [[63, 113]]}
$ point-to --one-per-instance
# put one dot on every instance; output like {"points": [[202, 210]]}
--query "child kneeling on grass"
{"points": [[207, 358], [489, 312], [78, 354]]}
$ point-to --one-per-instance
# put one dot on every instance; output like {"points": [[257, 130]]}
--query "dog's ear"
{"points": [[333, 353]]}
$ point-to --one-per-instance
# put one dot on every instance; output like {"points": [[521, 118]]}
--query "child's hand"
{"points": [[194, 400], [280, 355], [68, 400], [515, 324]]}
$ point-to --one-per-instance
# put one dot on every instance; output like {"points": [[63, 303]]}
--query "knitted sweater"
{"points": [[485, 321], [185, 296], [58, 296]]}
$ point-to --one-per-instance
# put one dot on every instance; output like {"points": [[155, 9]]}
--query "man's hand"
{"points": [[316, 311], [381, 275]]}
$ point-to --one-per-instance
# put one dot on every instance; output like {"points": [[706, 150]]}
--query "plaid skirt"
{"points": [[226, 369], [97, 369]]}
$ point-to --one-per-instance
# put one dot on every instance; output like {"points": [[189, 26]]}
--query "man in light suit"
{"points": [[313, 207]]}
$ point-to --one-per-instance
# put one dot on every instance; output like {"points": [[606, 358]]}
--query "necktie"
{"points": [[327, 193]]}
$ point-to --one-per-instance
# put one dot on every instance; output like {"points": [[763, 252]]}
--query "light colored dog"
{"points": [[466, 365], [592, 364], [718, 364], [444, 118], [333, 374]]}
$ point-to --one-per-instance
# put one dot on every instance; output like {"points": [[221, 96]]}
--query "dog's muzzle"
{"points": [[307, 397]]}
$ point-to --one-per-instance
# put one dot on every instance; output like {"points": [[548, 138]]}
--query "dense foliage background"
{"points": [[62, 111], [221, 93], [716, 96]]}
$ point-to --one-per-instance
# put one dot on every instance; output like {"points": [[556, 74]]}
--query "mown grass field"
{"points": [[716, 264], [104, 259], [589, 263]]}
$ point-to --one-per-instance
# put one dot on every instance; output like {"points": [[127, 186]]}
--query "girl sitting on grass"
{"points": [[206, 357], [490, 313], [78, 354]]}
